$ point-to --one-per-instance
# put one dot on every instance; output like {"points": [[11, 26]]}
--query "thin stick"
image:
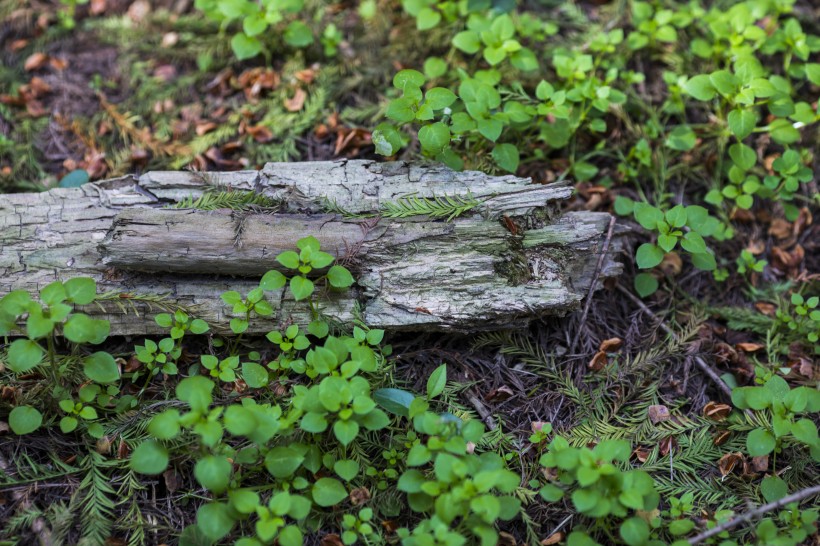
{"points": [[597, 274], [760, 510], [706, 368], [486, 416]]}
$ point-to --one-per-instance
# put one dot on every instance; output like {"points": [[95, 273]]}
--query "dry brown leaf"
{"points": [[506, 539], [780, 229], [716, 411], [667, 444], [103, 446], [260, 133], [501, 393], [4, 427], [768, 309], [804, 220], [171, 479], [17, 45], [359, 496], [58, 63], [671, 264], [123, 450], [760, 464], [757, 247], [598, 362], [748, 347], [205, 127], [658, 413], [610, 345], [331, 539], [641, 453], [554, 538], [721, 437], [35, 61], [297, 102], [729, 462]]}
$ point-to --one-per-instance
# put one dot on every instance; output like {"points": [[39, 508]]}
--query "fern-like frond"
{"points": [[448, 207], [234, 200]]}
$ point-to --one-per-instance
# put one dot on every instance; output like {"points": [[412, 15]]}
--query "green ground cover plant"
{"points": [[695, 123]]}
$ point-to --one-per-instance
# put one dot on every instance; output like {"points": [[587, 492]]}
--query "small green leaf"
{"points": [[506, 157], [773, 488], [700, 87], [682, 138], [298, 34], [346, 469], [645, 284], [301, 287], [213, 473], [255, 376], [101, 367], [24, 354], [439, 97], [648, 256], [742, 122], [81, 290], [245, 47], [328, 492], [635, 531], [396, 401], [437, 381], [760, 442], [24, 420], [149, 458], [273, 280], [434, 138], [339, 277]]}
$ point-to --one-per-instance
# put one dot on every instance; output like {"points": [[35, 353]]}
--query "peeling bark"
{"points": [[504, 263]]}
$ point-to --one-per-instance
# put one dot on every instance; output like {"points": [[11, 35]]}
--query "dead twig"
{"points": [[594, 282], [760, 510]]}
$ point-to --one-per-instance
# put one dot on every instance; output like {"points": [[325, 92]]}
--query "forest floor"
{"points": [[131, 86]]}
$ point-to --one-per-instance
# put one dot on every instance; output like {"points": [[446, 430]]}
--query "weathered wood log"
{"points": [[507, 260]]}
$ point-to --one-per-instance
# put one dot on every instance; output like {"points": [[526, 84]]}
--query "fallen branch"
{"points": [[504, 258], [760, 510]]}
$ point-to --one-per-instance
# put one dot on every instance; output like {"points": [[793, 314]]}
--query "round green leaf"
{"points": [[773, 488], [506, 156], [101, 368], [760, 442], [298, 34], [255, 376], [150, 457], [328, 492], [24, 354], [81, 290], [339, 277], [648, 256], [24, 420], [214, 520], [245, 46], [434, 138], [301, 287], [635, 531], [213, 473], [645, 284]]}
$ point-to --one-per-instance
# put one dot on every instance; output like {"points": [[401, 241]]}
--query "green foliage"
{"points": [[782, 406], [800, 321]]}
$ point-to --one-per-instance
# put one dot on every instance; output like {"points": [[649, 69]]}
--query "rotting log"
{"points": [[508, 260]]}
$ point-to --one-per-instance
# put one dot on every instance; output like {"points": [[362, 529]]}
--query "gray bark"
{"points": [[476, 272]]}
